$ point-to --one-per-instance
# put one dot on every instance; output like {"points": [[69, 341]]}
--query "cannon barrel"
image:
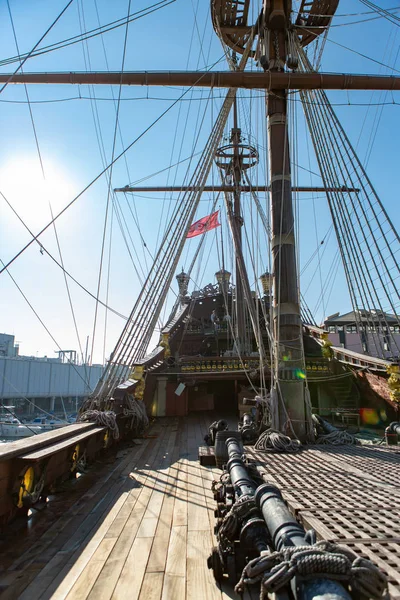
{"points": [[284, 530], [242, 483]]}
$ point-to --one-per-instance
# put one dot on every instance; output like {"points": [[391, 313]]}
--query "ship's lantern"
{"points": [[223, 277], [183, 283], [266, 282]]}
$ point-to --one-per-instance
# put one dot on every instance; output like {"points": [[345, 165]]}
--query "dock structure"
{"points": [[141, 526]]}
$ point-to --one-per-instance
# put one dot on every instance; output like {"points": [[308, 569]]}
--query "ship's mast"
{"points": [[233, 160], [237, 179], [289, 387]]}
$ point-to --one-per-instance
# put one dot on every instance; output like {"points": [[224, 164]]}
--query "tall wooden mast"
{"points": [[288, 395], [289, 369], [237, 180], [233, 160]]}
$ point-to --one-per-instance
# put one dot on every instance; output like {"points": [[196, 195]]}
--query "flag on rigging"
{"points": [[203, 225]]}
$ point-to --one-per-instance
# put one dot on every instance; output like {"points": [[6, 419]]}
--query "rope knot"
{"points": [[367, 579], [323, 559]]}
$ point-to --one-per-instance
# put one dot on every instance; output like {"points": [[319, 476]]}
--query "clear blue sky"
{"points": [[169, 39]]}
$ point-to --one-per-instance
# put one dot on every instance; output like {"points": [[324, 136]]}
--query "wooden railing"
{"points": [[153, 360], [31, 467], [348, 356], [156, 358], [214, 364], [318, 367]]}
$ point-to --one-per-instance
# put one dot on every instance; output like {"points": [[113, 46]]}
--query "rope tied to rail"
{"points": [[323, 559], [137, 410], [275, 441], [106, 418]]}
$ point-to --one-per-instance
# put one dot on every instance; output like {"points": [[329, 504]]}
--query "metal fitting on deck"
{"points": [[392, 433]]}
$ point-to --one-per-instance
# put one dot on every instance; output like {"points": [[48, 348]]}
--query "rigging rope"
{"points": [[368, 242], [43, 324], [58, 264], [109, 177], [103, 418], [322, 559], [87, 34], [273, 440], [23, 61], [136, 335], [89, 185], [49, 202]]}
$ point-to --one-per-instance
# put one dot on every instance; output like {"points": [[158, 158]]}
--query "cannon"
{"points": [[252, 521], [392, 433], [248, 429]]}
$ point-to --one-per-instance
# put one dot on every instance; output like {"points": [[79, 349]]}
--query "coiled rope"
{"points": [[323, 559], [337, 438], [137, 410], [243, 509], [273, 440], [105, 418], [326, 433]]}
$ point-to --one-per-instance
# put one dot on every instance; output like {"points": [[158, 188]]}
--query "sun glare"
{"points": [[30, 193]]}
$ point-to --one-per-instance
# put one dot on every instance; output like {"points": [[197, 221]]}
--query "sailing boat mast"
{"points": [[237, 177], [233, 160], [286, 321]]}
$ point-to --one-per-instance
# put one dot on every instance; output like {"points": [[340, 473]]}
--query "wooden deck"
{"points": [[141, 527]]}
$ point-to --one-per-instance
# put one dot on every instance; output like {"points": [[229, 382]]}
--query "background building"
{"points": [[371, 332], [8, 347], [53, 384]]}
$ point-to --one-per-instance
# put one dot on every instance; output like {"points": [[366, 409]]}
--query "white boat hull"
{"points": [[21, 430], [18, 431]]}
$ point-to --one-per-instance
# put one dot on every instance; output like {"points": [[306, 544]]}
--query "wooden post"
{"points": [[289, 367]]}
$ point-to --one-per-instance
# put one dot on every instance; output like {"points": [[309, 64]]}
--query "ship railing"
{"points": [[31, 467], [206, 327], [152, 361], [220, 364], [156, 358], [318, 367], [349, 357], [176, 322]]}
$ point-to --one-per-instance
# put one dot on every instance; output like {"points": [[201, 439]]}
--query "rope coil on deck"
{"points": [[273, 440], [327, 434], [323, 559], [338, 438], [105, 418]]}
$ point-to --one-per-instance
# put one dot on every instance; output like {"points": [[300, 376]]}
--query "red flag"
{"points": [[204, 225]]}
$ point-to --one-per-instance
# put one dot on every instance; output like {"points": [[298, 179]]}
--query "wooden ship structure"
{"points": [[144, 526]]}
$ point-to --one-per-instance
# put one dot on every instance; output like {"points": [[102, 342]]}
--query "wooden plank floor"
{"points": [[141, 526], [143, 530]]}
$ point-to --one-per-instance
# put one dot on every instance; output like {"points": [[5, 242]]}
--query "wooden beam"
{"points": [[228, 188], [218, 79]]}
